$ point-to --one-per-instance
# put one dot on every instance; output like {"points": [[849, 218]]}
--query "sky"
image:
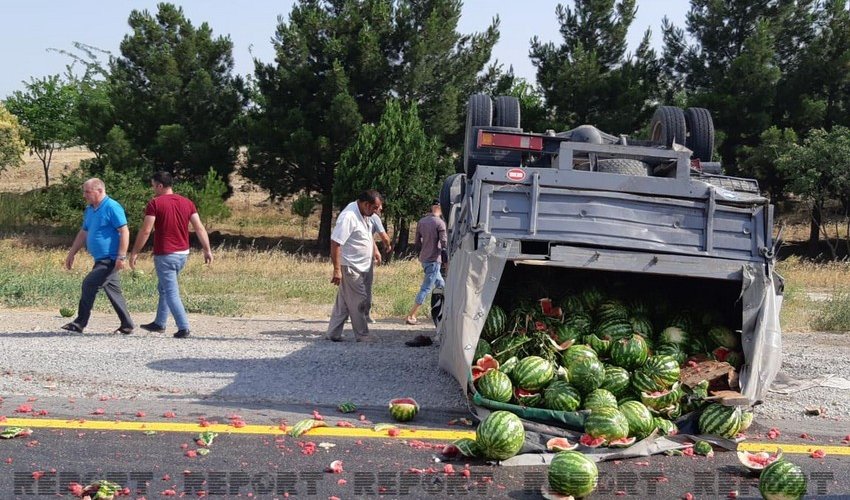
{"points": [[31, 28]]}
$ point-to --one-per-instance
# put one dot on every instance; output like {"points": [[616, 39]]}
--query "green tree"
{"points": [[819, 171], [397, 158], [12, 145], [337, 61], [46, 110], [589, 78], [760, 161], [303, 206], [173, 94]]}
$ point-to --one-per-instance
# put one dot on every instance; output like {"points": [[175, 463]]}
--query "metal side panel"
{"points": [[620, 220], [641, 262]]}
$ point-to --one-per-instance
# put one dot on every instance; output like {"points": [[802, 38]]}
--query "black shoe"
{"points": [[124, 330], [181, 334], [419, 341], [72, 327], [152, 327]]}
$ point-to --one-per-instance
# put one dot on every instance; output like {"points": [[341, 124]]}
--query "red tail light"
{"points": [[509, 141]]}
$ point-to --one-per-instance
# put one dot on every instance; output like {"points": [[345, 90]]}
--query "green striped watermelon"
{"points": [[664, 426], [629, 352], [671, 412], [639, 307], [500, 436], [600, 398], [571, 473], [683, 320], [664, 370], [724, 337], [641, 325], [533, 373], [578, 322], [577, 352], [508, 365], [591, 298], [602, 345], [482, 350], [662, 399], [507, 346], [616, 380], [719, 420], [495, 323], [527, 398], [403, 409], [746, 420], [495, 386], [615, 328], [640, 419], [564, 333], [782, 480], [672, 350], [611, 309], [572, 304], [675, 335], [586, 374], [606, 423], [561, 396]]}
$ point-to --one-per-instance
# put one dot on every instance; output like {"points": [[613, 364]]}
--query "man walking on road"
{"points": [[106, 237], [169, 216], [352, 251], [430, 241], [378, 229]]}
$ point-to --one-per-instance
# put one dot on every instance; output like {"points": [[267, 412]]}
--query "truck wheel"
{"points": [[668, 125], [506, 112], [452, 193], [700, 133], [479, 113], [623, 166]]}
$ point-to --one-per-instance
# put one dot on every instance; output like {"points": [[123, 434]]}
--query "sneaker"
{"points": [[419, 341], [152, 327], [367, 338], [371, 320], [124, 330], [181, 334]]}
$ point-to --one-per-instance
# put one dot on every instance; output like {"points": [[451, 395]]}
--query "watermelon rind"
{"points": [[403, 409], [572, 473]]}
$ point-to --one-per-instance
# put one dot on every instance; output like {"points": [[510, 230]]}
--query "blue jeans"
{"points": [[432, 277], [167, 268]]}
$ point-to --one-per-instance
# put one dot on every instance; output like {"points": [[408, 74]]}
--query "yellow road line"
{"points": [[342, 432], [803, 449]]}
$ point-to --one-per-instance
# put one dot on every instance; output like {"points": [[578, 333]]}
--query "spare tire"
{"points": [[668, 126], [479, 113], [506, 112], [700, 129], [623, 166]]}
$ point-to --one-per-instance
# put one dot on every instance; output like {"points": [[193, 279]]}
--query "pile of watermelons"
{"points": [[619, 358]]}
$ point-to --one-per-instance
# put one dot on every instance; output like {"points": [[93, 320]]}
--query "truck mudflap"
{"points": [[473, 281]]}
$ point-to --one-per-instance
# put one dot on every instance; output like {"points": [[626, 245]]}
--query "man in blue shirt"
{"points": [[106, 237]]}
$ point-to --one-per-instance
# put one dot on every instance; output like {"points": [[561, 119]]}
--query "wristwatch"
{"points": [[122, 257]]}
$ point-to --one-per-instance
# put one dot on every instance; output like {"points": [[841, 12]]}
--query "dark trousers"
{"points": [[103, 275]]}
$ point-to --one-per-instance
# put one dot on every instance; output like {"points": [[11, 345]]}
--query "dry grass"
{"points": [[31, 175]]}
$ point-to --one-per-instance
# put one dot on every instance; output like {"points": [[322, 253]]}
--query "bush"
{"points": [[209, 199], [834, 314]]}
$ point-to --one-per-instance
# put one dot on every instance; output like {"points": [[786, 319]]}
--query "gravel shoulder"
{"points": [[280, 361]]}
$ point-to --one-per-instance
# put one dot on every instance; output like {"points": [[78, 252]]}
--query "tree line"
{"points": [[372, 93]]}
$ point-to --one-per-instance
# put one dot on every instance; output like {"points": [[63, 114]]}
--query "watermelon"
{"points": [[607, 423], [508, 365], [66, 312], [590, 298], [611, 309], [507, 346], [674, 335], [724, 337], [703, 448], [577, 352], [746, 420], [663, 398], [629, 352], [661, 369], [482, 349], [683, 320], [622, 442], [467, 447], [672, 412], [665, 427], [600, 398], [616, 328], [756, 462], [483, 365], [641, 325], [578, 322], [616, 380], [572, 304], [674, 351], [782, 480], [563, 333], [735, 359], [495, 323], [724, 421], [533, 373], [403, 409], [571, 473], [500, 436], [639, 307], [641, 423], [601, 345], [561, 396], [591, 442], [495, 386], [586, 374]]}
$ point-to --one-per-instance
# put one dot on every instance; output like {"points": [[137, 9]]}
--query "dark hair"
{"points": [[370, 195], [164, 178]]}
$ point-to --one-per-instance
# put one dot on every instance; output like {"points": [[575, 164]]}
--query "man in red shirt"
{"points": [[169, 216]]}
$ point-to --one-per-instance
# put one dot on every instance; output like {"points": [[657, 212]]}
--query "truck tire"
{"points": [[700, 129], [479, 113], [506, 112], [668, 125], [454, 187], [623, 166]]}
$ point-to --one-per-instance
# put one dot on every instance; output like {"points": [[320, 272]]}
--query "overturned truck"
{"points": [[561, 239]]}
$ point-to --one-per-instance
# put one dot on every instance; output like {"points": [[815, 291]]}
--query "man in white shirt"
{"points": [[378, 229], [352, 251]]}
